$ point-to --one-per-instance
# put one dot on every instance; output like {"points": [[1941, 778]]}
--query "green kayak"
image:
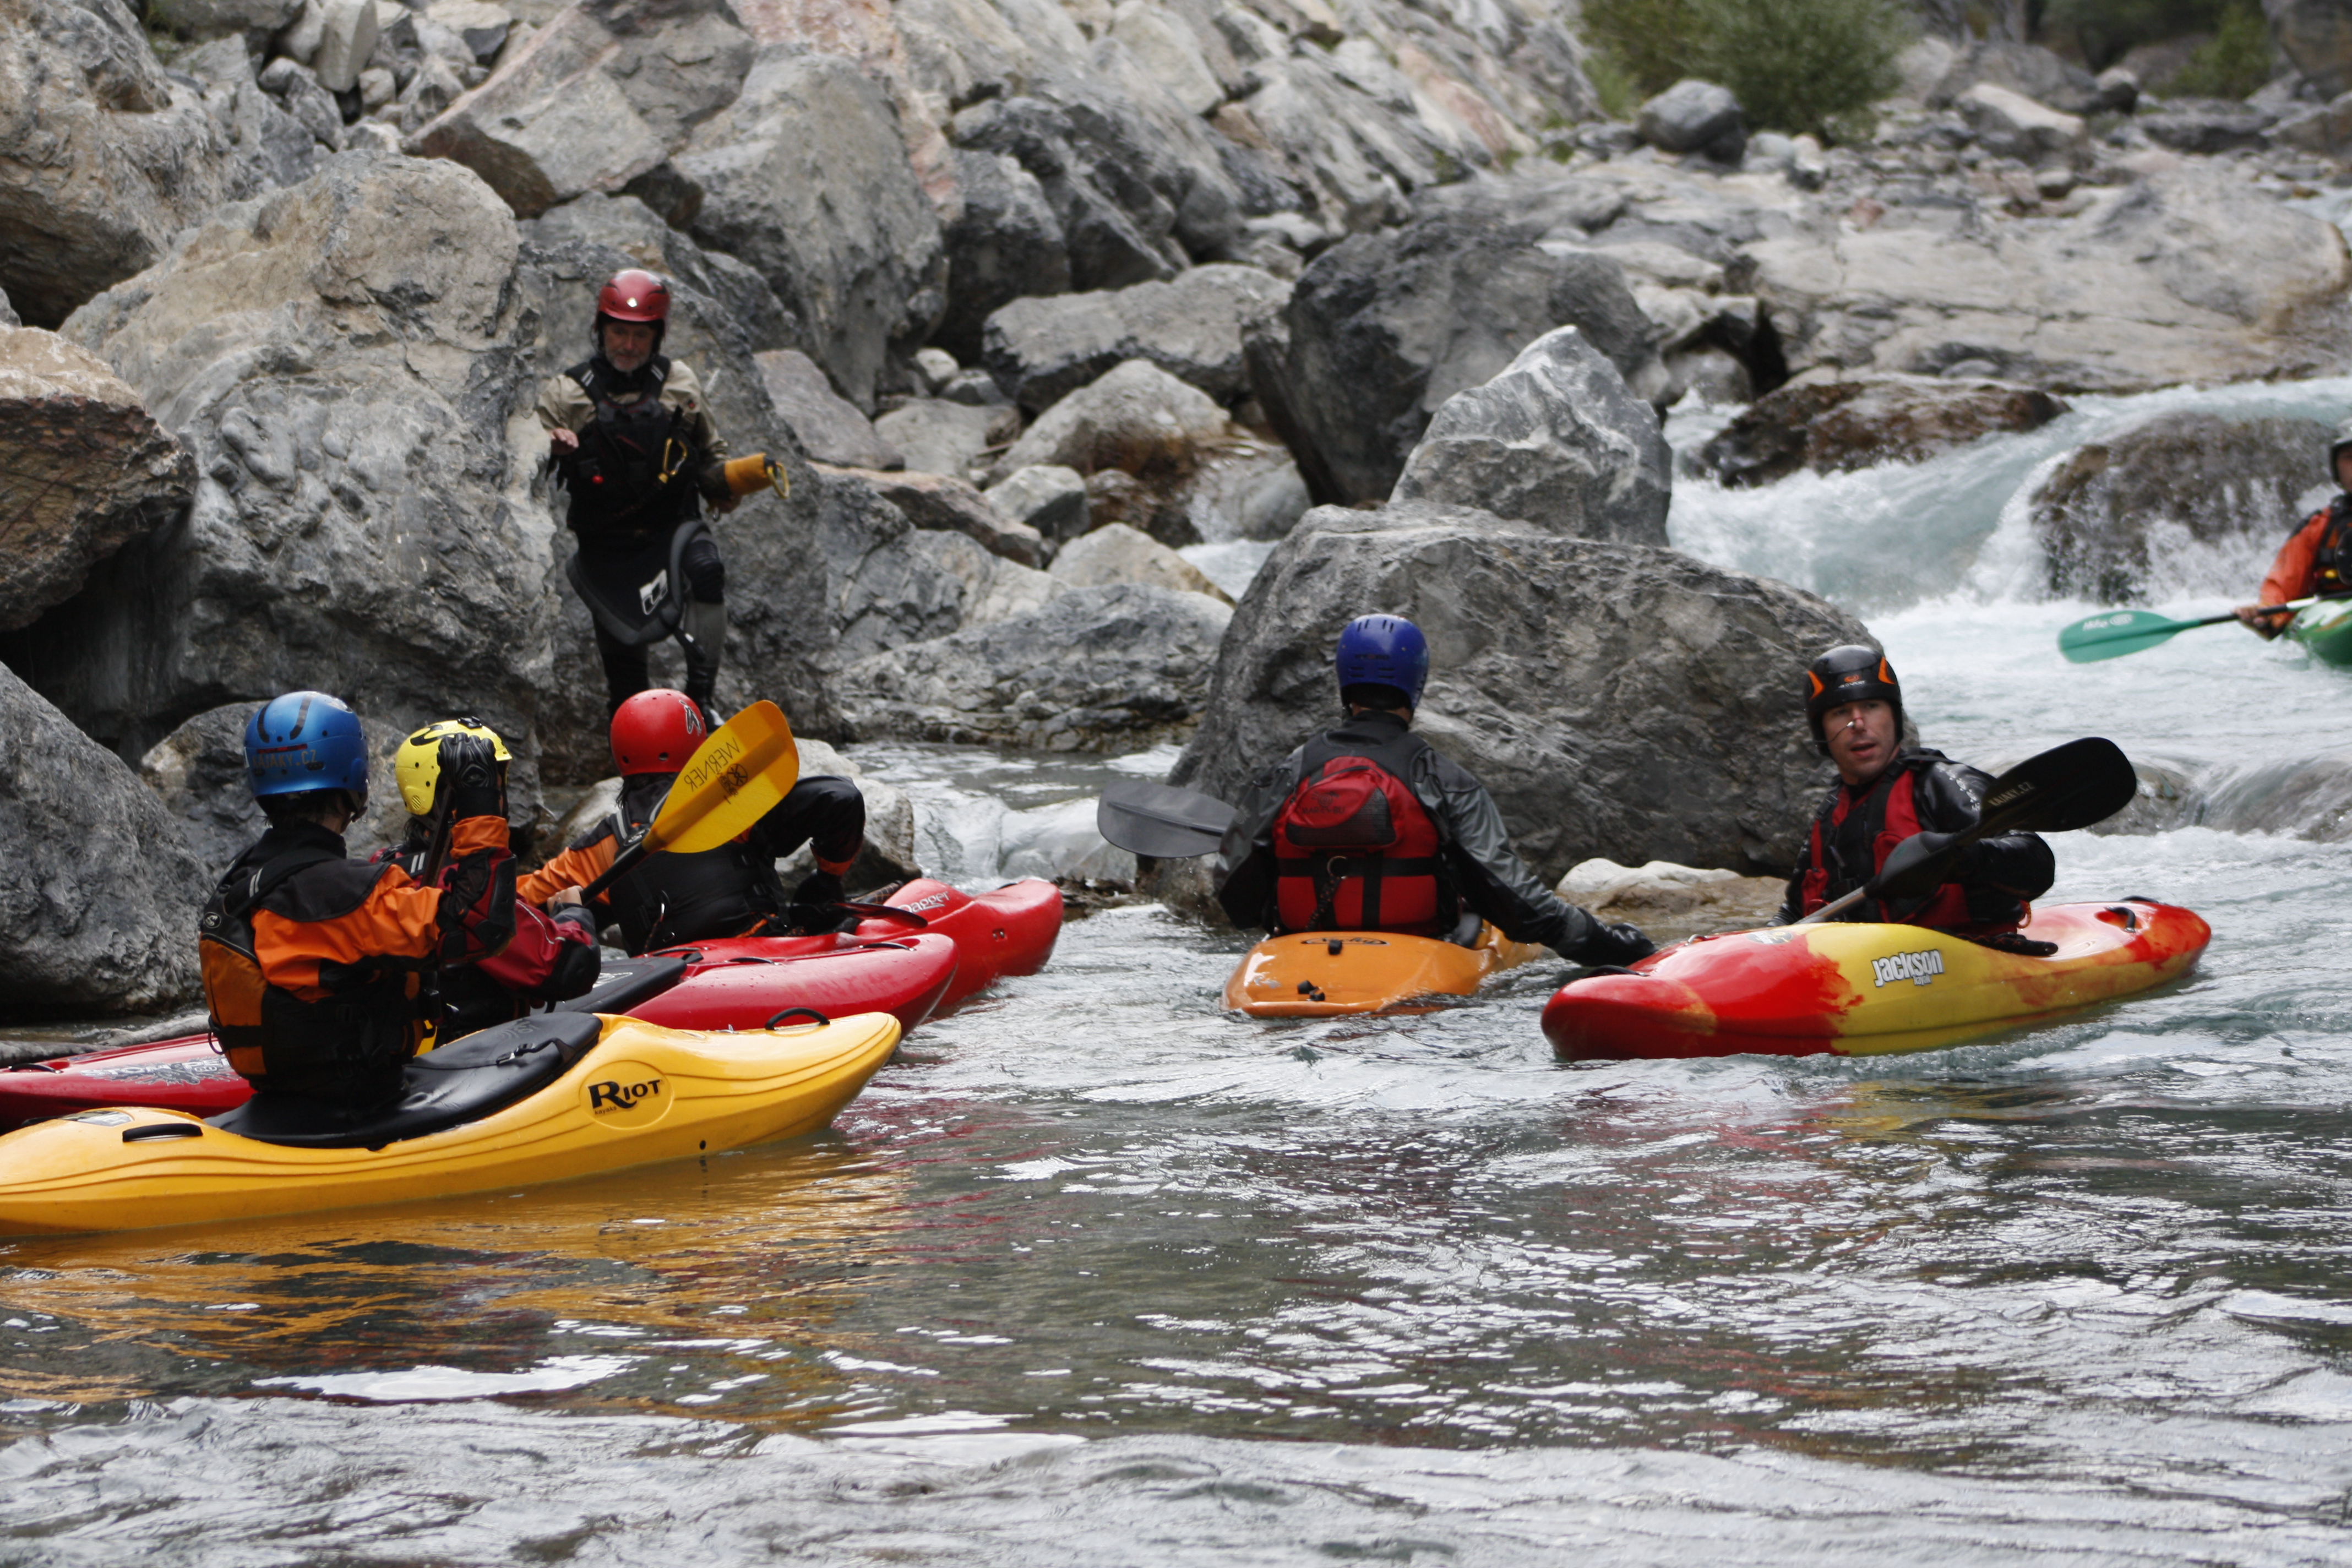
{"points": [[2326, 628]]}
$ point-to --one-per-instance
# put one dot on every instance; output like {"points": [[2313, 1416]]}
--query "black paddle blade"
{"points": [[2066, 787], [1161, 820]]}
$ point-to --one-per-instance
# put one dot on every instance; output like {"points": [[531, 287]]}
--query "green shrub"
{"points": [[1795, 65], [2233, 65]]}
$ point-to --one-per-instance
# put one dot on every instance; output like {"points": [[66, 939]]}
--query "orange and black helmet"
{"points": [[1849, 673]]}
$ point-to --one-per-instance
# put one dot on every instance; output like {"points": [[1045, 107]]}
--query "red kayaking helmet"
{"points": [[1849, 673], [655, 731], [633, 295]]}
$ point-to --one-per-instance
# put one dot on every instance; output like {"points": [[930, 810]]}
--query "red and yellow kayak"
{"points": [[1326, 974], [1866, 990]]}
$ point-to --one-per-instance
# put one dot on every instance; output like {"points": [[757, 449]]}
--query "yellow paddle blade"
{"points": [[734, 778]]}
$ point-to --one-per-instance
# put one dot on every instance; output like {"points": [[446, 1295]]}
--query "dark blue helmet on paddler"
{"points": [[1386, 651]]}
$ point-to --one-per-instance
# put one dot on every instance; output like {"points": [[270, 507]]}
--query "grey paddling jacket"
{"points": [[1474, 849]]}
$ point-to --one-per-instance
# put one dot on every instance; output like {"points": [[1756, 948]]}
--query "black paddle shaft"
{"points": [[2073, 785], [1164, 821]]}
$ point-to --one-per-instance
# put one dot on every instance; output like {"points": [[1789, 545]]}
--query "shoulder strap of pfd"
{"points": [[242, 892]]}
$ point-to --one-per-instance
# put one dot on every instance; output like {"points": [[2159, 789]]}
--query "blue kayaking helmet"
{"points": [[305, 740], [1383, 650]]}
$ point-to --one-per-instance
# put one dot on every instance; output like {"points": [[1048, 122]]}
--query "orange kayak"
{"points": [[1325, 974], [1854, 989]]}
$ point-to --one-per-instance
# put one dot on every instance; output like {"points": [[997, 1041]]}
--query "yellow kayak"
{"points": [[1325, 974], [549, 1096]]}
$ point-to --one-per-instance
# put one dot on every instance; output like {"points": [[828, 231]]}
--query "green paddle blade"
{"points": [[2115, 633]]}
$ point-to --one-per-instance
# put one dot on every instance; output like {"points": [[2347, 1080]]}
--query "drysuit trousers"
{"points": [[705, 626]]}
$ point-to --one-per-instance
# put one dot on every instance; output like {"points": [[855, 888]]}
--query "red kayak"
{"points": [[885, 965]]}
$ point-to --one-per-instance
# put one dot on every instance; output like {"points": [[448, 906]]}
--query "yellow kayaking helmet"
{"points": [[417, 765]]}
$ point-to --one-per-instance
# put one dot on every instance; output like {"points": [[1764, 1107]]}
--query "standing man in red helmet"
{"points": [[632, 438], [732, 890], [1885, 794]]}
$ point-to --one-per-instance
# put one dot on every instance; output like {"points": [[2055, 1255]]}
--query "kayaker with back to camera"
{"points": [[1368, 827], [2316, 559], [1884, 794], [315, 964], [732, 891]]}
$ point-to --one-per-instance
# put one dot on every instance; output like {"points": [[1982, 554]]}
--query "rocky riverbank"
{"points": [[1027, 298]]}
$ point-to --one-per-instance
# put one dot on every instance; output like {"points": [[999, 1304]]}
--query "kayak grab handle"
{"points": [[791, 1012], [2123, 915], [158, 1131]]}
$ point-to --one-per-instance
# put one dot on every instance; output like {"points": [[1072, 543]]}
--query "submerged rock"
{"points": [[98, 891], [84, 470], [2176, 504], [1618, 700], [1834, 423], [1103, 670]]}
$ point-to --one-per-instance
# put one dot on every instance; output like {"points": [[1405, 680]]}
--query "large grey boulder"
{"points": [[1382, 328], [1136, 418], [830, 427], [338, 357], [805, 177], [1836, 424], [2176, 504], [2015, 126], [209, 18], [1117, 553], [2187, 275], [601, 94], [1102, 670], [99, 891], [884, 587], [940, 435], [2029, 71], [1048, 497], [1555, 440], [2207, 126], [2315, 35], [995, 588], [102, 156], [1694, 116], [84, 470], [1619, 700], [1042, 349], [1003, 243], [942, 501]]}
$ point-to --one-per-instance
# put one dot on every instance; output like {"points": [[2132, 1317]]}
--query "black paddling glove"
{"points": [[1616, 945], [470, 774], [822, 888]]}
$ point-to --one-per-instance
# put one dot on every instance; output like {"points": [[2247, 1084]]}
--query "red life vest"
{"points": [[1354, 849], [1891, 817]]}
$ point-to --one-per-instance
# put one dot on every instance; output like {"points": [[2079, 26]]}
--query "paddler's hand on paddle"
{"points": [[569, 896], [2264, 626]]}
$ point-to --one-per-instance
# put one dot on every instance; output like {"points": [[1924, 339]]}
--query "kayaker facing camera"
{"points": [[732, 890], [554, 955], [1368, 827], [1886, 794], [313, 964], [2316, 559]]}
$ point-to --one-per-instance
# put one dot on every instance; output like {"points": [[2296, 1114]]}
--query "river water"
{"points": [[1094, 1275]]}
